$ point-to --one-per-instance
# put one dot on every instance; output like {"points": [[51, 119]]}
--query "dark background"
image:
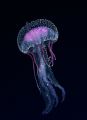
{"points": [[19, 95]]}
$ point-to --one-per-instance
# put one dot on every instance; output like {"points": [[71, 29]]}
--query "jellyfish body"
{"points": [[34, 39]]}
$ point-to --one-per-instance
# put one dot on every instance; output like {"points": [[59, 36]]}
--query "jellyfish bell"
{"points": [[52, 31], [23, 46], [37, 32]]}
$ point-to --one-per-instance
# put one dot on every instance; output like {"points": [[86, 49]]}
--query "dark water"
{"points": [[19, 96]]}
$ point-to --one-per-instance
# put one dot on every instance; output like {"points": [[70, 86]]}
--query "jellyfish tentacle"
{"points": [[48, 92], [35, 77], [50, 101], [34, 63], [50, 45], [47, 59], [50, 61], [46, 89], [53, 81], [52, 58]]}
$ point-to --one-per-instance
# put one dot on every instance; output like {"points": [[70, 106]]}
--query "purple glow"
{"points": [[35, 34]]}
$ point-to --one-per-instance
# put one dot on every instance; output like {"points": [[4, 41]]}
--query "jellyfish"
{"points": [[36, 40]]}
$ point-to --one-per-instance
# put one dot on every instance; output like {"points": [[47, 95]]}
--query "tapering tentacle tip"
{"points": [[63, 96], [45, 112]]}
